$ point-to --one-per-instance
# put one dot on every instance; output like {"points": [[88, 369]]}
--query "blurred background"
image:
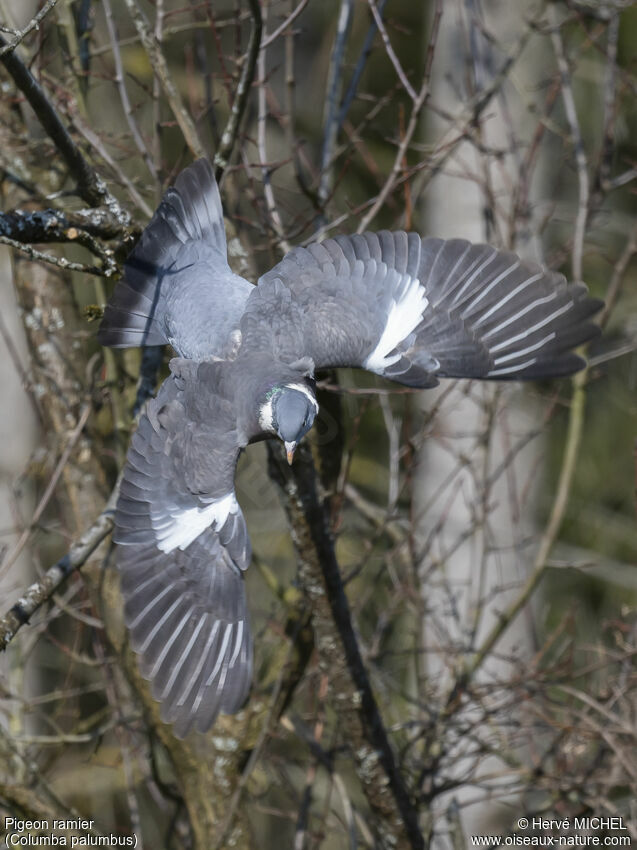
{"points": [[485, 533]]}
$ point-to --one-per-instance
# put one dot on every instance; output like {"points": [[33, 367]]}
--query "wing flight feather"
{"points": [[414, 309], [183, 546]]}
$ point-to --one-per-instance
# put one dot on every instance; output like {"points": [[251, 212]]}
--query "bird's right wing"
{"points": [[414, 309], [182, 547]]}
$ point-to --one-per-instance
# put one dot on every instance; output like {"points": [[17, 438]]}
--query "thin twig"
{"points": [[44, 501], [232, 21], [120, 82], [560, 503], [578, 145], [444, 148], [330, 120], [273, 211], [203, 69], [414, 119], [610, 105], [21, 372], [160, 68], [229, 136], [60, 262], [617, 279], [33, 24], [468, 115], [267, 40], [42, 590], [397, 167], [360, 67], [90, 186], [390, 51], [96, 142]]}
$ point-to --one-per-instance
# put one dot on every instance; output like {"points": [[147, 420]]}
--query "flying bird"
{"points": [[408, 308]]}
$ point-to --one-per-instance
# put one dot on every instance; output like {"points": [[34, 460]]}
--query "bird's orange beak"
{"points": [[289, 450]]}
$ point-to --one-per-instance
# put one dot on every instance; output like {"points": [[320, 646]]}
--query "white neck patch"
{"points": [[266, 416]]}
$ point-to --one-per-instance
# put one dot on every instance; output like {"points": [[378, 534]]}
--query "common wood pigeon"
{"points": [[408, 308]]}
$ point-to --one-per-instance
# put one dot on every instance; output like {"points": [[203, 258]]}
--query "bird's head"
{"points": [[289, 411]]}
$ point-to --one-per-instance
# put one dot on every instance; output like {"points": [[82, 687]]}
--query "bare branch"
{"points": [[42, 590], [90, 186], [610, 106], [12, 556], [556, 517], [418, 103], [360, 66], [61, 262], [54, 225], [578, 145], [158, 62], [618, 277], [229, 136], [34, 23], [321, 581], [275, 217], [98, 145], [268, 40], [123, 93], [391, 53], [334, 81]]}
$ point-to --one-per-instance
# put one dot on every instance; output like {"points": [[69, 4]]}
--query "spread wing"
{"points": [[183, 545], [177, 286], [414, 309]]}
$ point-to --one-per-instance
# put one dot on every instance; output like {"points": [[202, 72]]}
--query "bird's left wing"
{"points": [[177, 286], [413, 309], [183, 545]]}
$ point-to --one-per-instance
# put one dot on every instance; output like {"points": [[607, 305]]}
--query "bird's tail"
{"points": [[189, 211], [496, 316]]}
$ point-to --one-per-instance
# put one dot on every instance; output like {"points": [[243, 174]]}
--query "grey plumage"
{"points": [[330, 300], [407, 308], [184, 546], [189, 624], [178, 287]]}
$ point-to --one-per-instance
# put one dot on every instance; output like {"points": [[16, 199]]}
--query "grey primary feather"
{"points": [[407, 308], [488, 314], [186, 612], [184, 598], [177, 286]]}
